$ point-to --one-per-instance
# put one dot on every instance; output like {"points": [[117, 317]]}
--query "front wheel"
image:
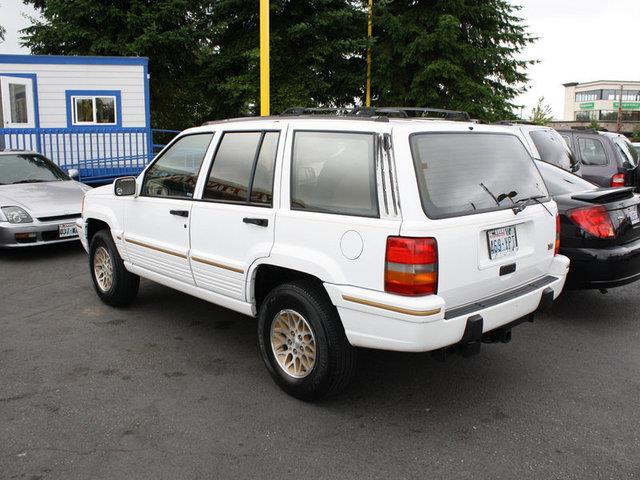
{"points": [[303, 343], [114, 284]]}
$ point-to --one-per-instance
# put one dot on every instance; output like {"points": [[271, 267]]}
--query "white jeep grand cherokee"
{"points": [[339, 232]]}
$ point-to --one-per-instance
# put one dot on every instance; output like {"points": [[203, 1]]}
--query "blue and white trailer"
{"points": [[88, 113]]}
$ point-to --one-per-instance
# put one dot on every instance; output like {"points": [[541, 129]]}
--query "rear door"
{"points": [[233, 221], [471, 187], [16, 97], [597, 166]]}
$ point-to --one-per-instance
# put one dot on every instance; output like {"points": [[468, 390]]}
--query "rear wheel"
{"points": [[113, 283], [303, 343]]}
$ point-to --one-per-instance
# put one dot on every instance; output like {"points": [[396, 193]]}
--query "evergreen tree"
{"points": [[457, 54]]}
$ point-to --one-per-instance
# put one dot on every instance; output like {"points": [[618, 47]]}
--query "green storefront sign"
{"points": [[587, 106], [627, 105]]}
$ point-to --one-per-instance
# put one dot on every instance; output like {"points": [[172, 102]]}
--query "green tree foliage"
{"points": [[458, 54], [204, 54], [541, 113]]}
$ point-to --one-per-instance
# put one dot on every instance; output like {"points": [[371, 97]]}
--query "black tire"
{"points": [[124, 285], [335, 362]]}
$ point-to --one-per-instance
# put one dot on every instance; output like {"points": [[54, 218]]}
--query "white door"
{"points": [[232, 224], [17, 102], [156, 225]]}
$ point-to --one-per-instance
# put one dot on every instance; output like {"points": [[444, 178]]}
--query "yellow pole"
{"points": [[265, 99], [369, 34]]}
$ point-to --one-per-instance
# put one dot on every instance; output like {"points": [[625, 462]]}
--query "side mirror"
{"points": [[125, 186], [73, 173]]}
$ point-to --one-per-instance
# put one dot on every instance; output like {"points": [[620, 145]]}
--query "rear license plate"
{"points": [[632, 214], [67, 230], [502, 241]]}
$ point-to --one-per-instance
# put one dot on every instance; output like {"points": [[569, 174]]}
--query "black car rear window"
{"points": [[467, 173], [554, 150], [560, 182]]}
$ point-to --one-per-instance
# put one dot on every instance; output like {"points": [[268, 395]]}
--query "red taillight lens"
{"points": [[593, 220], [557, 245], [411, 266], [617, 180]]}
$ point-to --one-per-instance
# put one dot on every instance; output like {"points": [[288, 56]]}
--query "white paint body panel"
{"points": [[314, 243]]}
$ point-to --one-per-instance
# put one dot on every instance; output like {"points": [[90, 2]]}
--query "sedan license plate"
{"points": [[502, 241], [67, 230], [632, 214]]}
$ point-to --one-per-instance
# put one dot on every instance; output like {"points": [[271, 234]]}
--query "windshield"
{"points": [[560, 182], [467, 173], [554, 150], [28, 168], [629, 154]]}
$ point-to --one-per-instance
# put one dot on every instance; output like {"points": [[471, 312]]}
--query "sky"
{"points": [[579, 41]]}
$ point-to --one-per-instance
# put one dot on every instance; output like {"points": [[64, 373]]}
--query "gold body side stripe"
{"points": [[158, 249], [406, 311], [215, 264]]}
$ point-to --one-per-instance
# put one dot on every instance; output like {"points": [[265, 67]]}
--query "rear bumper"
{"points": [[43, 233], [384, 321], [603, 267]]}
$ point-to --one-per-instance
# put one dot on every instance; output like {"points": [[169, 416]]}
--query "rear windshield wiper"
{"points": [[521, 204]]}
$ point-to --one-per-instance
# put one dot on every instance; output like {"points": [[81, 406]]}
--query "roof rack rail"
{"points": [[393, 112], [514, 122]]}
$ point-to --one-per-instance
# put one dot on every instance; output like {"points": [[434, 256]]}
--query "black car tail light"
{"points": [[593, 220]]}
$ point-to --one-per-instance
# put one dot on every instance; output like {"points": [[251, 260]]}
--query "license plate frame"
{"points": [[632, 215], [506, 238], [67, 230]]}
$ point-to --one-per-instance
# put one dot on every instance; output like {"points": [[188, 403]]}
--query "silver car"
{"points": [[39, 204]]}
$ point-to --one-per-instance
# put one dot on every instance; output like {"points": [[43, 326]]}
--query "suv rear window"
{"points": [[553, 149], [629, 154], [467, 173]]}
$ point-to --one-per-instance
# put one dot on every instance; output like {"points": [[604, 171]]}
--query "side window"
{"points": [[567, 140], [243, 168], [175, 173], [334, 172], [592, 151]]}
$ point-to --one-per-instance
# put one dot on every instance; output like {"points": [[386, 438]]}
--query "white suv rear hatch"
{"points": [[481, 189]]}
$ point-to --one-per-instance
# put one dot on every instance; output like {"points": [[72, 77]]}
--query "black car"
{"points": [[599, 230]]}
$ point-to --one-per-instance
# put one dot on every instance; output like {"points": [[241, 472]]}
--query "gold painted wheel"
{"points": [[103, 269], [293, 344]]}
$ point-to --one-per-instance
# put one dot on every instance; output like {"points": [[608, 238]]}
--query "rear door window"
{"points": [[592, 151], [628, 153], [243, 168], [334, 172], [468, 173]]}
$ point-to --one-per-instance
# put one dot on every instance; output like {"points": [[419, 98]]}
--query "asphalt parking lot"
{"points": [[174, 387]]}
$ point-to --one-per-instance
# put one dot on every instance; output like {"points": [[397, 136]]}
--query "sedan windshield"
{"points": [[560, 182], [28, 168]]}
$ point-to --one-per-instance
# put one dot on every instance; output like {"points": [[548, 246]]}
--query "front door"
{"points": [[233, 223], [156, 226], [17, 102]]}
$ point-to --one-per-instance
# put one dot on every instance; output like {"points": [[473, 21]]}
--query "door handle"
{"points": [[179, 213], [261, 222]]}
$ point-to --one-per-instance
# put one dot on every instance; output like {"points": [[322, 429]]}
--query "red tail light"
{"points": [[593, 220], [557, 245], [617, 180], [411, 266]]}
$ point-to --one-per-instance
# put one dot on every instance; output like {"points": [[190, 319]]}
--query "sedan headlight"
{"points": [[16, 215]]}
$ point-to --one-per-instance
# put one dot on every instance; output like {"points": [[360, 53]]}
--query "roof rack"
{"points": [[514, 122], [393, 112]]}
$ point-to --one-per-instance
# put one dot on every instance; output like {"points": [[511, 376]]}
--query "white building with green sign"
{"points": [[599, 100]]}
